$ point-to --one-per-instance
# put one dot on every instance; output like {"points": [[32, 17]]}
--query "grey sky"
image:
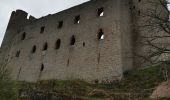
{"points": [[37, 8]]}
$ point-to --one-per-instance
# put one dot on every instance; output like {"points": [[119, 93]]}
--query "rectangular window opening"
{"points": [[60, 24], [42, 29]]}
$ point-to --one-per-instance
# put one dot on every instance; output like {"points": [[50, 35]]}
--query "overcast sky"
{"points": [[37, 8]]}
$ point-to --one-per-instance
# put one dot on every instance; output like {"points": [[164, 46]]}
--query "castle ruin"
{"points": [[93, 41]]}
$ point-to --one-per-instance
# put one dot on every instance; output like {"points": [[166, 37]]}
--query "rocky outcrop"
{"points": [[162, 91]]}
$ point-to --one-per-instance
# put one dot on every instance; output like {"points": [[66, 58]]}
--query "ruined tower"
{"points": [[92, 41]]}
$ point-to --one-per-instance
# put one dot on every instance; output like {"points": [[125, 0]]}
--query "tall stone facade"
{"points": [[92, 41]]}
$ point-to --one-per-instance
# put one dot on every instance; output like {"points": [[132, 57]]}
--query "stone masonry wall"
{"points": [[73, 49]]}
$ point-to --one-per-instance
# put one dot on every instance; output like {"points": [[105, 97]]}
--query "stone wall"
{"points": [[78, 43]]}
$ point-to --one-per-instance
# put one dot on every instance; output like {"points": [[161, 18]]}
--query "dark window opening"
{"points": [[23, 36], [18, 53], [42, 67], [100, 12], [42, 29], [134, 7], [96, 81], [84, 44], [45, 47], [139, 0], [60, 24], [33, 49], [77, 19], [58, 43], [101, 35], [73, 40], [139, 12]]}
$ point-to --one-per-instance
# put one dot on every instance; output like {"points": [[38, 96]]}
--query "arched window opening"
{"points": [[58, 43], [100, 12], [84, 44], [101, 35], [73, 40], [45, 47], [23, 36], [34, 49], [139, 12], [42, 67]]}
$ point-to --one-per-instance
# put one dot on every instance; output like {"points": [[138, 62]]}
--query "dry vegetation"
{"points": [[137, 85]]}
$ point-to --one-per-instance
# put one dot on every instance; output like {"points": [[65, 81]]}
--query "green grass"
{"points": [[142, 79], [8, 89]]}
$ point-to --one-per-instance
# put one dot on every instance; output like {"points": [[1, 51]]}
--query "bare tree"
{"points": [[157, 26], [154, 28]]}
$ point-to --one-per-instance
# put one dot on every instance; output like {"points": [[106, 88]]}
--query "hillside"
{"points": [[136, 85]]}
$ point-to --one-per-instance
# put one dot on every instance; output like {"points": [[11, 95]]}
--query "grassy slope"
{"points": [[137, 85]]}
